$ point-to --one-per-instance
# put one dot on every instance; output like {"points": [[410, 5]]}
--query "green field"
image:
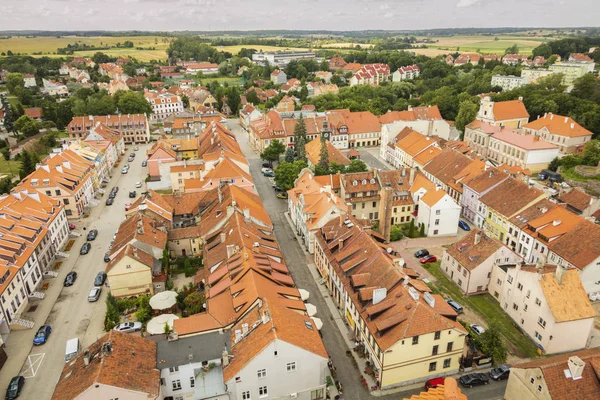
{"points": [[48, 46], [236, 49], [485, 44]]}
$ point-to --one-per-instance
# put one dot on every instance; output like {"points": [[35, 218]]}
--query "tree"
{"points": [[132, 102], [9, 117], [422, 230], [490, 342], [554, 164], [287, 173], [27, 165], [514, 49], [395, 233], [544, 50], [186, 101], [5, 153], [357, 166], [411, 229], [591, 152], [467, 111], [233, 100], [6, 185], [144, 311], [27, 126], [113, 316], [14, 80], [194, 303], [324, 155], [300, 139], [289, 154], [101, 58], [252, 97], [273, 151]]}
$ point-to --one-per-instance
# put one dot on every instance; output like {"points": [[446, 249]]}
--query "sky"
{"points": [[203, 15]]}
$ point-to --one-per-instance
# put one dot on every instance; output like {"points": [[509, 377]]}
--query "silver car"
{"points": [[127, 327], [94, 294]]}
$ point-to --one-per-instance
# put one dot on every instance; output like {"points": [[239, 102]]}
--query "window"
{"points": [[460, 282], [528, 294], [437, 222], [262, 373], [434, 351], [174, 369], [316, 394], [538, 302], [374, 204], [538, 336], [449, 347], [176, 384], [447, 362], [509, 279], [541, 322], [515, 307], [262, 391], [520, 286], [432, 366], [415, 340], [525, 307], [291, 367], [437, 212], [238, 379], [531, 381], [539, 388], [246, 395], [437, 335]]}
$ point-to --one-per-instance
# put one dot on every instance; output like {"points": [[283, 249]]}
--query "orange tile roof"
{"points": [[580, 245], [448, 391], [553, 224], [486, 180], [576, 198], [510, 197], [511, 109], [421, 182], [533, 212], [415, 113], [227, 169], [118, 369], [447, 164], [526, 142], [568, 301], [471, 255], [313, 152], [560, 387], [558, 125], [414, 143], [432, 197]]}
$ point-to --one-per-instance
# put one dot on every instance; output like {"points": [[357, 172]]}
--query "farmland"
{"points": [[236, 49], [485, 44]]}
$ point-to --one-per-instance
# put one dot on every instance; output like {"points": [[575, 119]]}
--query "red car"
{"points": [[433, 383], [71, 226], [428, 259]]}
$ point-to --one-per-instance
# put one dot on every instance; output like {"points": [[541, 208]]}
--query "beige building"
{"points": [[564, 132], [509, 82], [534, 296], [512, 113], [179, 173], [567, 376], [407, 335], [130, 272], [534, 75]]}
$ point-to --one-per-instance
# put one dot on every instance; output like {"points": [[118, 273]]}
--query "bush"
{"points": [[422, 230], [113, 316], [144, 312], [170, 285], [194, 303], [395, 233]]}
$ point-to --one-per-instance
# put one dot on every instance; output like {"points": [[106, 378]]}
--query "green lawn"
{"points": [[488, 308], [570, 173], [10, 168], [221, 79]]}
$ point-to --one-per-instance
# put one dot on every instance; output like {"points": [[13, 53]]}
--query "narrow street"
{"points": [[67, 309], [298, 262]]}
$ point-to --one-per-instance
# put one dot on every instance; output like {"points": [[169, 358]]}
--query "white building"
{"points": [[404, 73], [29, 80], [165, 106], [469, 262], [474, 189], [509, 82], [278, 77], [281, 58], [535, 297], [439, 213], [564, 132], [54, 88]]}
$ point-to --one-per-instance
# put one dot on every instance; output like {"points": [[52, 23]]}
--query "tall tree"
{"points": [[14, 80], [287, 173], [273, 151], [233, 100], [9, 117], [289, 154], [132, 102], [300, 139], [467, 111], [324, 155], [26, 164]]}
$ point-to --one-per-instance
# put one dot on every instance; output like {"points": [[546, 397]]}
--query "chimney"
{"points": [[576, 366], [551, 116], [220, 194], [478, 237], [230, 250], [560, 274], [238, 335], [244, 328], [340, 243], [223, 237], [225, 357], [385, 212], [520, 98], [86, 358], [412, 176], [566, 119], [572, 125]]}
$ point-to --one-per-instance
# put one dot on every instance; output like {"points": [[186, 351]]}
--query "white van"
{"points": [[72, 349]]}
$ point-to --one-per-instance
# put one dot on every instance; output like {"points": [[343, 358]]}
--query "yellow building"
{"points": [[512, 113], [179, 173], [407, 333], [130, 272], [504, 202]]}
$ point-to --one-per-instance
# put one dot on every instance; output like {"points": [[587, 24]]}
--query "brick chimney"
{"points": [[385, 212]]}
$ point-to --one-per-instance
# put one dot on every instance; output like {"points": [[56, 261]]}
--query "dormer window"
{"points": [[372, 181], [354, 183], [364, 181]]}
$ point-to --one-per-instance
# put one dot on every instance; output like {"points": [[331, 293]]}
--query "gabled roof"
{"points": [[118, 368], [447, 164], [558, 125], [568, 300], [526, 142], [133, 252], [560, 387], [449, 390], [313, 152], [579, 246], [415, 113], [509, 197], [511, 109], [578, 199], [486, 180], [471, 255]]}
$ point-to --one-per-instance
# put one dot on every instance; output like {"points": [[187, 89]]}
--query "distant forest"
{"points": [[582, 31]]}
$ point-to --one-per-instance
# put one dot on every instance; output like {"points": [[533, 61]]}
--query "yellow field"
{"points": [[49, 45], [344, 45]]}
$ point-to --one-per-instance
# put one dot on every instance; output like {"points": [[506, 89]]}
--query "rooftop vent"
{"points": [[379, 295], [576, 366]]}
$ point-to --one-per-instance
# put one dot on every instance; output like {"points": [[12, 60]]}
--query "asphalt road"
{"points": [[297, 262], [72, 315]]}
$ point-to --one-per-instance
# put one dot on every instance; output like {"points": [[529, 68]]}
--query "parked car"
{"points": [[266, 169], [116, 188], [110, 201], [127, 206], [70, 279], [144, 163], [500, 373], [71, 226], [277, 188], [92, 234], [130, 159], [455, 306], [127, 327], [87, 246], [267, 165], [428, 259], [474, 379], [138, 185], [269, 174], [477, 329], [42, 335], [463, 225], [94, 294], [282, 195], [107, 257], [124, 170], [132, 194], [14, 387], [433, 383], [100, 278], [421, 253], [136, 148]]}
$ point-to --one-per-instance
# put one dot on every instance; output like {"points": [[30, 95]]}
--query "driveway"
{"points": [[67, 309], [297, 261]]}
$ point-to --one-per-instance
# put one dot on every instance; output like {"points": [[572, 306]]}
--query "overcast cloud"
{"points": [[172, 15]]}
